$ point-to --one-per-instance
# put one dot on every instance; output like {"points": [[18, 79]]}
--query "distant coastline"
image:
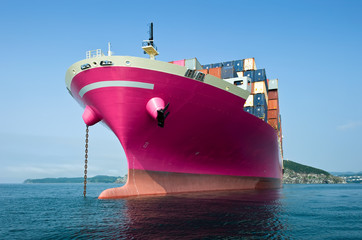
{"points": [[95, 179], [294, 173]]}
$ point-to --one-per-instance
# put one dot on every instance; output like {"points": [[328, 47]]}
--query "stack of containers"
{"points": [[274, 117], [259, 92], [273, 105], [225, 70]]}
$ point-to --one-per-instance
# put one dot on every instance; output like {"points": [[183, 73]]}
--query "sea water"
{"points": [[59, 211]]}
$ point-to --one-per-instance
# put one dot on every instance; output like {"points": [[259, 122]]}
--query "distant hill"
{"points": [[300, 168], [95, 179], [299, 173]]}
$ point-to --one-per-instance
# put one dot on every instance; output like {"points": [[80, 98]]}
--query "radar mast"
{"points": [[148, 46]]}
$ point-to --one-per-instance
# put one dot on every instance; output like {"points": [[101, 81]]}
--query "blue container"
{"points": [[249, 110], [260, 75], [260, 112], [228, 72], [228, 64], [207, 66], [216, 65], [238, 65], [250, 74], [259, 99]]}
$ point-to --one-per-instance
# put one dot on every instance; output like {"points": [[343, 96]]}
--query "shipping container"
{"points": [[249, 110], [216, 65], [272, 94], [228, 72], [260, 112], [228, 64], [273, 84], [250, 74], [205, 71], [249, 64], [240, 74], [239, 65], [260, 87], [207, 66], [180, 62], [193, 64], [273, 113], [260, 100], [215, 72], [260, 75], [273, 104], [273, 123], [249, 101]]}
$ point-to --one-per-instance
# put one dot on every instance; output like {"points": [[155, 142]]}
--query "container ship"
{"points": [[184, 126]]}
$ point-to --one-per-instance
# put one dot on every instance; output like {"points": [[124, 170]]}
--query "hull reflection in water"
{"points": [[252, 213]]}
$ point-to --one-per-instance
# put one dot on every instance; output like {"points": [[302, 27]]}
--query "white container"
{"points": [[259, 87], [273, 84], [193, 64], [249, 64], [249, 101]]}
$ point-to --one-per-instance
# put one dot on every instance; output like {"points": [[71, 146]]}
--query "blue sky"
{"points": [[313, 47]]}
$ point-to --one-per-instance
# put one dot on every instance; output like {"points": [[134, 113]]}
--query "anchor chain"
{"points": [[86, 161]]}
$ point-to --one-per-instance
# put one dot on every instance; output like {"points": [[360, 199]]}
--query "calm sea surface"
{"points": [[59, 211]]}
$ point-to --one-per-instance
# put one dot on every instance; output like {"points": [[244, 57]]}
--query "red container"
{"points": [[273, 104], [273, 123], [206, 71], [273, 114], [215, 72], [273, 94]]}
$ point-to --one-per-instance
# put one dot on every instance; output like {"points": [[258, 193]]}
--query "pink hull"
{"points": [[206, 134]]}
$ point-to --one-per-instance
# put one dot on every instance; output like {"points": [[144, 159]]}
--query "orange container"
{"points": [[273, 114], [273, 94], [206, 71], [252, 88], [215, 72], [273, 104], [273, 123]]}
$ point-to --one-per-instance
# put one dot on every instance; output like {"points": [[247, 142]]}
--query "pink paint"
{"points": [[180, 62], [153, 105], [207, 131], [90, 117]]}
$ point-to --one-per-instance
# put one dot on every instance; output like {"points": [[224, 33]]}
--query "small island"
{"points": [[295, 173]]}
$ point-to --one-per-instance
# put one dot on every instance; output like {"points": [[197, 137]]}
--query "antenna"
{"points": [[151, 34]]}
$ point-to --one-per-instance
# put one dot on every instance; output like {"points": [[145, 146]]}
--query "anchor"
{"points": [[162, 115]]}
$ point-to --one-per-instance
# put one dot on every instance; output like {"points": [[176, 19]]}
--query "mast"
{"points": [[148, 46]]}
